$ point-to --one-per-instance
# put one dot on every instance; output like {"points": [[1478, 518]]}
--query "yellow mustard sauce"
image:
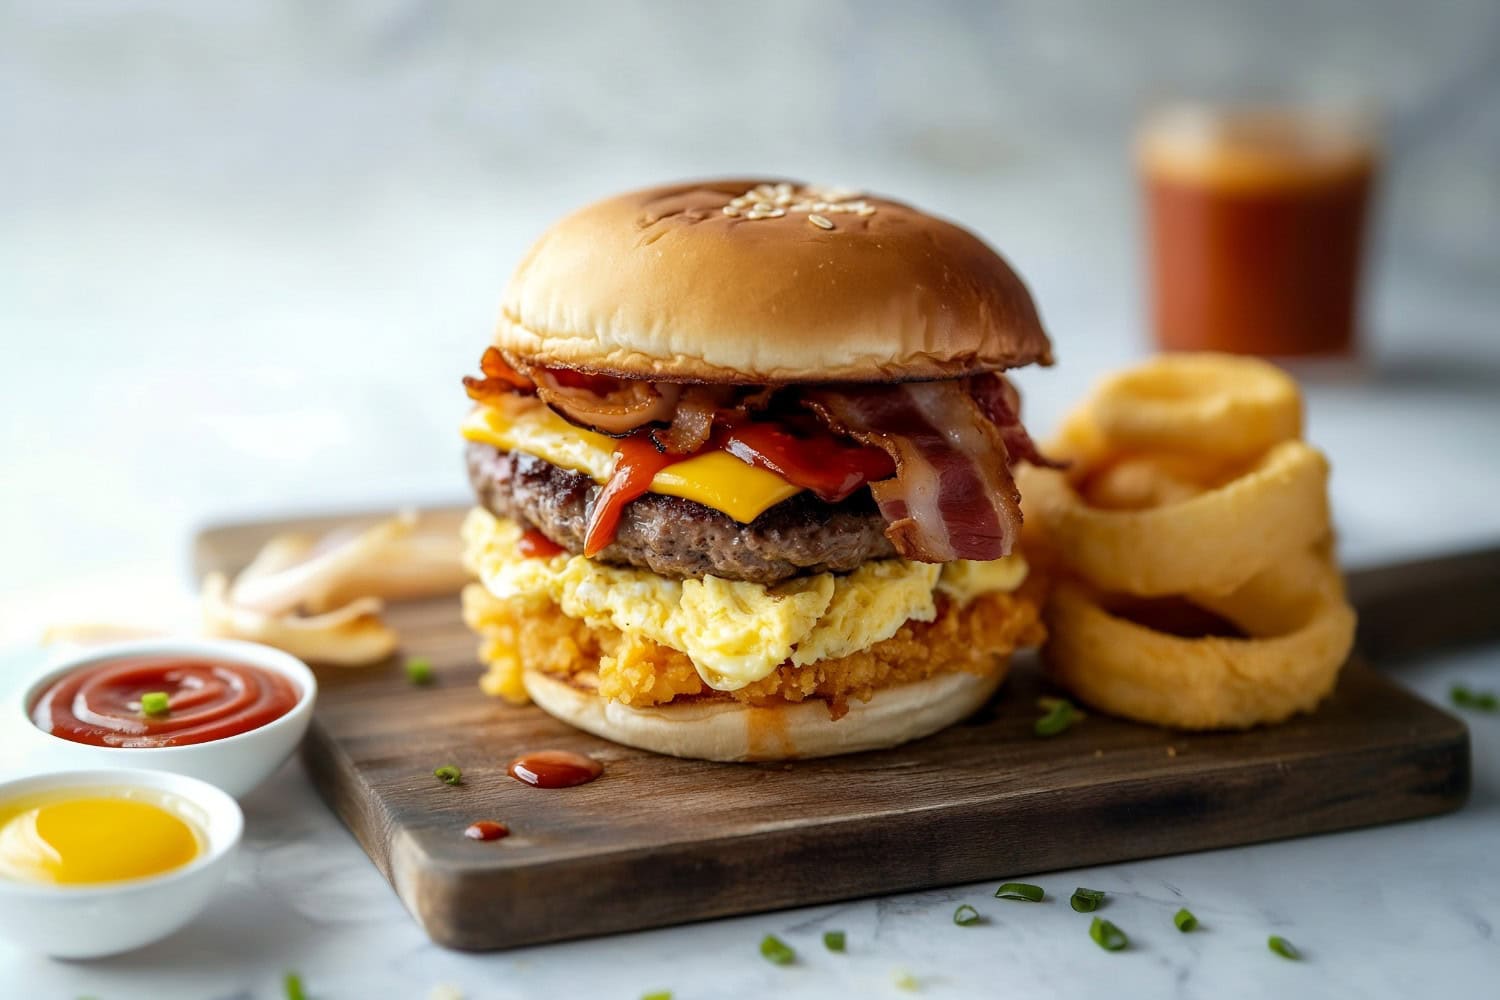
{"points": [[93, 836]]}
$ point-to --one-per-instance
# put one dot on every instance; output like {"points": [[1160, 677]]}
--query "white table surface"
{"points": [[1399, 911]]}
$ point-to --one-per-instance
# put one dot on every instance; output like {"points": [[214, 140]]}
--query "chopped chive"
{"points": [[448, 775], [419, 670], [1059, 717], [833, 940], [155, 703], [773, 949], [1283, 947], [291, 984], [1086, 900], [966, 916], [1185, 920], [1484, 701], [1106, 935], [1024, 891], [658, 995]]}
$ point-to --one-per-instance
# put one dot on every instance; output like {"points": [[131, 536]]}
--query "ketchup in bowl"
{"points": [[117, 703]]}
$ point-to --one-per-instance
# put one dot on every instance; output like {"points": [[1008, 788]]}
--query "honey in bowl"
{"points": [[1256, 221], [95, 836]]}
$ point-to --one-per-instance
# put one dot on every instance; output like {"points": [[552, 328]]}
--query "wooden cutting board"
{"points": [[659, 841]]}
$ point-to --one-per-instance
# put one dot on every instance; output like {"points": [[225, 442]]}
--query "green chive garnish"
{"points": [[1086, 900], [291, 984], [966, 916], [419, 670], [1106, 935], [448, 775], [1060, 715], [773, 949], [1185, 920], [1283, 947], [1484, 701], [833, 940], [1020, 890], [155, 703], [658, 995]]}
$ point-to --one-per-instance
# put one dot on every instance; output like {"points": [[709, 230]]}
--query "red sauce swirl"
{"points": [[207, 700]]}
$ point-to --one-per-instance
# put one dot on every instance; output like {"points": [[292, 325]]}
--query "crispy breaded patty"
{"points": [[682, 538], [974, 638]]}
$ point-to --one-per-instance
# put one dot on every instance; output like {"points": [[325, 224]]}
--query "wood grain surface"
{"points": [[658, 841]]}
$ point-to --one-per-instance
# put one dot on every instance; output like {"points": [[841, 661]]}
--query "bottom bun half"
{"points": [[732, 731]]}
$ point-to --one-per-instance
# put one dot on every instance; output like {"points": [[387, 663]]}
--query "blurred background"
{"points": [[247, 250]]}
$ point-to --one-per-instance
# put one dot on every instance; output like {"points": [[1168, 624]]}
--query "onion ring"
{"points": [[1137, 482], [1216, 404], [1210, 543], [1301, 631]]}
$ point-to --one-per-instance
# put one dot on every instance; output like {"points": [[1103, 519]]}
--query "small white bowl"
{"points": [[236, 763], [88, 921]]}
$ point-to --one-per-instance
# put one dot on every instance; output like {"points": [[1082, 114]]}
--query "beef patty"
{"points": [[682, 538]]}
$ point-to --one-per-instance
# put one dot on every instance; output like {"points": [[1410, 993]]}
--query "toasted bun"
{"points": [[730, 731], [662, 284]]}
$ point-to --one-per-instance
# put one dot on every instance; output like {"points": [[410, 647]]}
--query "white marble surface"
{"points": [[245, 251], [1397, 911]]}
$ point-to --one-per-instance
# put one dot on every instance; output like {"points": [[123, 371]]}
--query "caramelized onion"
{"points": [[628, 405]]}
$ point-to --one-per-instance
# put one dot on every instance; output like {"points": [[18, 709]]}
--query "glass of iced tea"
{"points": [[1256, 221]]}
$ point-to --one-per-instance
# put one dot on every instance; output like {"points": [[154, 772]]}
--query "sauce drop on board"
{"points": [[555, 769], [100, 703], [89, 837], [486, 829]]}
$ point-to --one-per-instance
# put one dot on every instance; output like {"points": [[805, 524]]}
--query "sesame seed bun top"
{"points": [[753, 281]]}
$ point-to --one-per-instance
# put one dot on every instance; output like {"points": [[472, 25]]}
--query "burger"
{"points": [[742, 452]]}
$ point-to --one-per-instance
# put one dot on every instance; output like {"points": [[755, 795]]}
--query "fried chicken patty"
{"points": [[682, 538], [974, 638]]}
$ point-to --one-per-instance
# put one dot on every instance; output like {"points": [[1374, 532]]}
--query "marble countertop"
{"points": [[1397, 911]]}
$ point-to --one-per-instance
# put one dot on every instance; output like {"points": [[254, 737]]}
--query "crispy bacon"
{"points": [[953, 496], [999, 401], [499, 378], [693, 421]]}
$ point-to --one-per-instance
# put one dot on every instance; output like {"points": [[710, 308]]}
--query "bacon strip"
{"points": [[999, 401], [692, 421], [500, 378], [953, 496]]}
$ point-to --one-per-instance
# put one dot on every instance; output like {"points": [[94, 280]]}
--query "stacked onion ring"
{"points": [[1190, 488]]}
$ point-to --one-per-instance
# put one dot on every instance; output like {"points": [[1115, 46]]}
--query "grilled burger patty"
{"points": [[682, 538]]}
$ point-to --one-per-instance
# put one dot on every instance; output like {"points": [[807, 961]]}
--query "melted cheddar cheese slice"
{"points": [[715, 479]]}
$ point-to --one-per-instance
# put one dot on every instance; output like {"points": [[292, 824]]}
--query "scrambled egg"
{"points": [[734, 633], [976, 638]]}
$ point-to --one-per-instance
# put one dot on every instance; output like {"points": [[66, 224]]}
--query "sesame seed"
{"points": [[774, 201]]}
